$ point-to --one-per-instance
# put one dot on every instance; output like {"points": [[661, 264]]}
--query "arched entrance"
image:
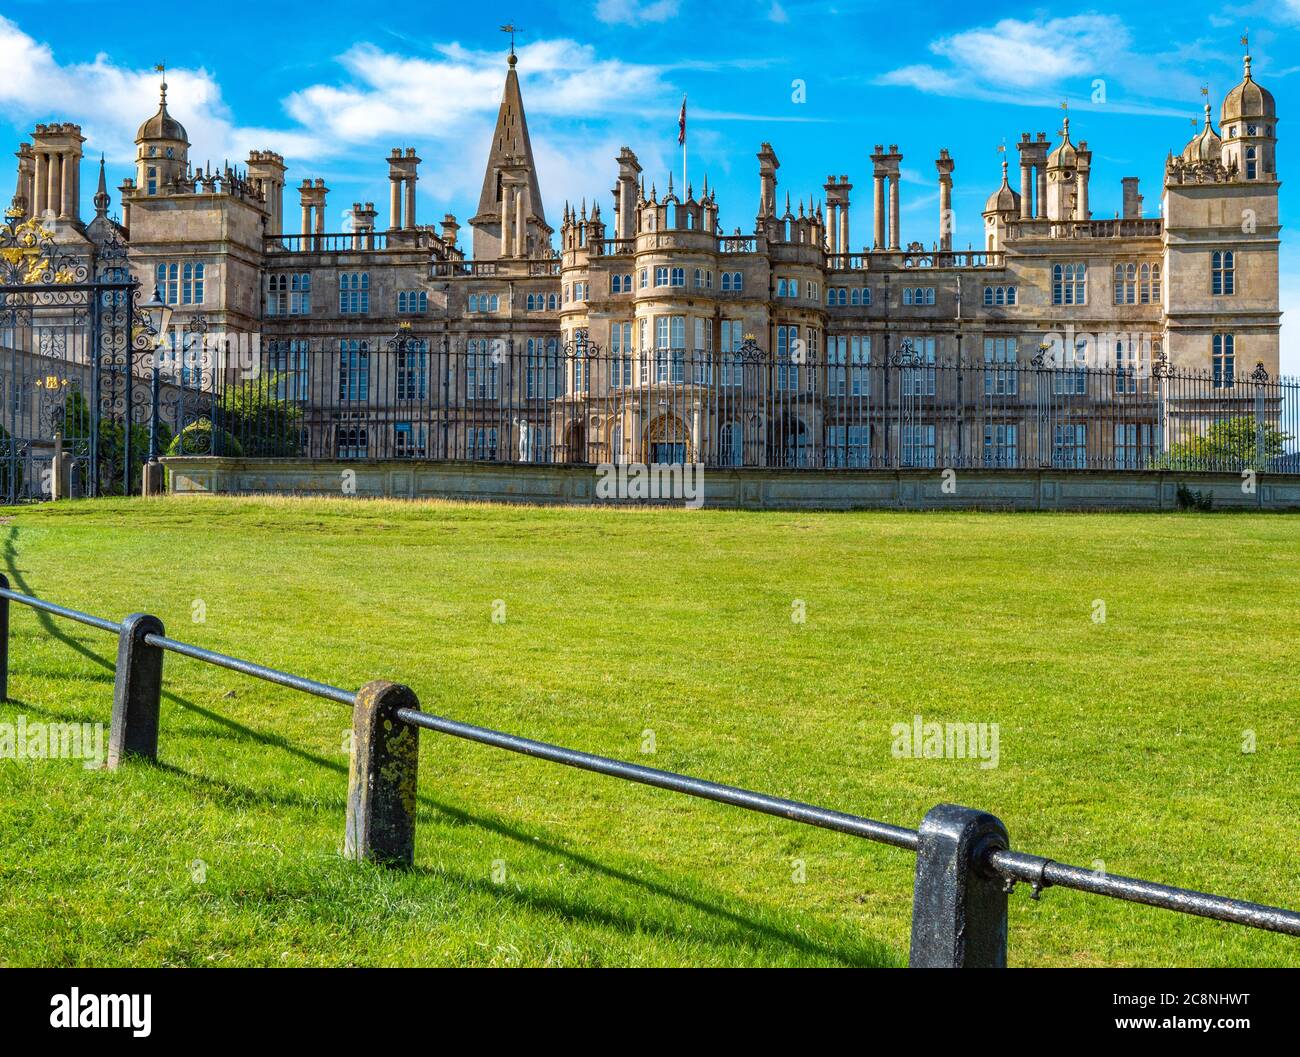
{"points": [[668, 440]]}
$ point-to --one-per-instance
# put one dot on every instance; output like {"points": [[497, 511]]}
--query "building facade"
{"points": [[656, 336]]}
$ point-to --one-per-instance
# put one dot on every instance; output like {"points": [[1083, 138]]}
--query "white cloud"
{"points": [[1033, 54], [632, 12], [1037, 61], [444, 106], [110, 102]]}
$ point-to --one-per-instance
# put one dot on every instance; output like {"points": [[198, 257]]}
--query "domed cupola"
{"points": [[1064, 156], [1248, 121], [1248, 100], [1068, 167], [162, 150], [1004, 199], [1205, 146], [1002, 207]]}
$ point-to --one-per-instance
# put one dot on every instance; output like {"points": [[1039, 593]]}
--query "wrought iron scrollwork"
{"points": [[906, 355], [29, 256]]}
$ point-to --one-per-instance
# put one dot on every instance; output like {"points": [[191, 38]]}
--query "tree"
{"points": [[1230, 444], [265, 423], [79, 420]]}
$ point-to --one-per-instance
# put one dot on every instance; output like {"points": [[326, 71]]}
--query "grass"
{"points": [[1120, 741]]}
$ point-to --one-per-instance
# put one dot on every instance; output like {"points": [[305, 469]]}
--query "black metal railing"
{"points": [[848, 406], [965, 866]]}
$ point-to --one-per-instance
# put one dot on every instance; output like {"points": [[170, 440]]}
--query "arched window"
{"points": [[166, 276], [1224, 358], [1252, 166], [192, 287], [1223, 279], [1070, 284], [1150, 284]]}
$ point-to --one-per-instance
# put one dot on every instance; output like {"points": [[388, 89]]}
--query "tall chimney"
{"points": [[1132, 200], [629, 170], [945, 165]]}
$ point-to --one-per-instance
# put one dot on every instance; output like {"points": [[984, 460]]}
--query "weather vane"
{"points": [[509, 27], [1245, 40]]}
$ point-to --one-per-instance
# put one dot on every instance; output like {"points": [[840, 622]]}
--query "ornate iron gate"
{"points": [[75, 352]]}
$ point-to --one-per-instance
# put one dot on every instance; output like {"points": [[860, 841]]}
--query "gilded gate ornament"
{"points": [[29, 256]]}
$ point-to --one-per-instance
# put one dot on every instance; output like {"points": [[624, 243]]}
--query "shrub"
{"points": [[200, 438]]}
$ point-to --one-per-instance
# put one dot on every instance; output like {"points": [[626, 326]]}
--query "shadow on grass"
{"points": [[19, 583], [739, 930], [748, 927]]}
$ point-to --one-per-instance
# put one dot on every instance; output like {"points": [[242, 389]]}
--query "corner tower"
{"points": [[1221, 240], [511, 221]]}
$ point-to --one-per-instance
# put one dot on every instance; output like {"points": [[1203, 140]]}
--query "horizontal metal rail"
{"points": [[257, 671], [61, 611], [1043, 873], [185, 649], [795, 810]]}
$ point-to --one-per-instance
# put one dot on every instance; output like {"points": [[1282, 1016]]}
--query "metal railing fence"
{"points": [[965, 866], [537, 401]]}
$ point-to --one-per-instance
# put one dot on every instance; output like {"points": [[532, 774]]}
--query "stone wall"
{"points": [[742, 488]]}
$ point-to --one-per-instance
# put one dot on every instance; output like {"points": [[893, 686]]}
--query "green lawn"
{"points": [[1120, 741]]}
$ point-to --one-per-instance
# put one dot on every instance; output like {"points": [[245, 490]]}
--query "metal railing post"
{"points": [[137, 691], [382, 777], [959, 905], [4, 641]]}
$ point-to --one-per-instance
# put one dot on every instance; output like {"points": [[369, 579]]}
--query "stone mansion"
{"points": [[649, 275]]}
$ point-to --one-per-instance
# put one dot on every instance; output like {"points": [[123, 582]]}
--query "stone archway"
{"points": [[668, 440]]}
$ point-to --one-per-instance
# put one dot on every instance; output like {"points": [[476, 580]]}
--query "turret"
{"points": [[162, 150], [1249, 120]]}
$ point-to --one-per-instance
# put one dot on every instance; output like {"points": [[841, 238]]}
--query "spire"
{"points": [[510, 147], [101, 198]]}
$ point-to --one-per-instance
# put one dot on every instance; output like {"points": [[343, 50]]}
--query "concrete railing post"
{"points": [[382, 777], [151, 483], [137, 691], [959, 908]]}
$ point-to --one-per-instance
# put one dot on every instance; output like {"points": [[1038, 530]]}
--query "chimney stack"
{"points": [[1132, 200], [945, 165]]}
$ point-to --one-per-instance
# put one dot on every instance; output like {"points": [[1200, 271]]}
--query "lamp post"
{"points": [[151, 483]]}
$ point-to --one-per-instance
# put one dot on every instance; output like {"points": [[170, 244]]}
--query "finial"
{"points": [[509, 27], [161, 68]]}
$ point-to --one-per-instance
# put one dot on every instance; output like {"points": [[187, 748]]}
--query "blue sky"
{"points": [[336, 91]]}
